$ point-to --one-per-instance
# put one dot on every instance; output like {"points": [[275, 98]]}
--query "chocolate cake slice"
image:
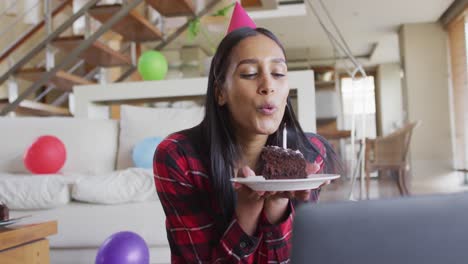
{"points": [[4, 212], [279, 163]]}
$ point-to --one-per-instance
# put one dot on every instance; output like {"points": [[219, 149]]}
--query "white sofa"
{"points": [[95, 148]]}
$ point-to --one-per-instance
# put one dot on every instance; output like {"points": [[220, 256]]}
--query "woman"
{"points": [[208, 219]]}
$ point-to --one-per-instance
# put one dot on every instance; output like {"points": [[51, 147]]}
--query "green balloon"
{"points": [[152, 65]]}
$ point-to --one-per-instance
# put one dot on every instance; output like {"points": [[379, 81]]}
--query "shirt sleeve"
{"points": [[276, 244], [190, 221]]}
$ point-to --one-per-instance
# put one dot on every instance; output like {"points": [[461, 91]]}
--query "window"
{"points": [[359, 97], [458, 33]]}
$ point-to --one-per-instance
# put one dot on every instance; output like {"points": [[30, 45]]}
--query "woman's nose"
{"points": [[266, 85]]}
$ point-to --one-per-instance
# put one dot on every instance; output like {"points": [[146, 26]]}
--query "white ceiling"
{"points": [[363, 23], [368, 26]]}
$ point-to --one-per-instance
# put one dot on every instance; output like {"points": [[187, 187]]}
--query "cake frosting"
{"points": [[279, 163]]}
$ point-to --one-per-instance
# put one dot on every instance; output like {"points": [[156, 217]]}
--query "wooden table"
{"points": [[334, 134], [26, 243]]}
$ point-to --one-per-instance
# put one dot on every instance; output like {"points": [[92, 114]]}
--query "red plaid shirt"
{"points": [[186, 194]]}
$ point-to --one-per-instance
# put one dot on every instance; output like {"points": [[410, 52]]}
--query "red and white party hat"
{"points": [[240, 19]]}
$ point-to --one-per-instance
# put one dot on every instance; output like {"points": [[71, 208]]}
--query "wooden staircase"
{"points": [[62, 80], [98, 53], [28, 108], [171, 8], [132, 26]]}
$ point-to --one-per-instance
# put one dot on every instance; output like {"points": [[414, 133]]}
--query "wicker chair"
{"points": [[389, 153]]}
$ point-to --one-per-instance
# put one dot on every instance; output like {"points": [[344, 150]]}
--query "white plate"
{"points": [[259, 183], [12, 221]]}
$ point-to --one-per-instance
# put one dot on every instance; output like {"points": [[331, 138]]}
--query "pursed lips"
{"points": [[267, 109]]}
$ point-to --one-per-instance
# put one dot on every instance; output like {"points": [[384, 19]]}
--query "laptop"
{"points": [[422, 229]]}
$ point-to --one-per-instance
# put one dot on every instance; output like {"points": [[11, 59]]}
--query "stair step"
{"points": [[98, 53], [62, 80], [133, 26], [170, 8], [251, 3], [31, 108]]}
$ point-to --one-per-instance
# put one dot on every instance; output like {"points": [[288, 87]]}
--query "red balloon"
{"points": [[46, 155]]}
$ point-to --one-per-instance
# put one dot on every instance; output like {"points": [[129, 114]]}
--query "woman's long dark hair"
{"points": [[218, 133]]}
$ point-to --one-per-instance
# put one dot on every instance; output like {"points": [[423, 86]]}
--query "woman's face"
{"points": [[256, 86]]}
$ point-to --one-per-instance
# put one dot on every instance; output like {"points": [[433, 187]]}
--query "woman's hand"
{"points": [[311, 168], [276, 202], [249, 203]]}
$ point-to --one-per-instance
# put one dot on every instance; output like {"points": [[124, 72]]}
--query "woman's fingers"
{"points": [[325, 183], [256, 195], [269, 194], [312, 168], [245, 171], [303, 195], [299, 195]]}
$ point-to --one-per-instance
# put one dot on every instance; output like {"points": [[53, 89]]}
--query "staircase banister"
{"points": [[23, 38], [64, 26], [73, 54]]}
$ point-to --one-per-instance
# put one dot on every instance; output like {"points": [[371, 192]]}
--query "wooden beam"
{"points": [[35, 108], [457, 8]]}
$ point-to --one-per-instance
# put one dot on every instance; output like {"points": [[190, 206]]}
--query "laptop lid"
{"points": [[423, 229]]}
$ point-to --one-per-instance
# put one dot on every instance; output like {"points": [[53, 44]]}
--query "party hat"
{"points": [[240, 19]]}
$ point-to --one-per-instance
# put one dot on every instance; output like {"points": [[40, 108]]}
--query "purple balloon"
{"points": [[123, 248]]}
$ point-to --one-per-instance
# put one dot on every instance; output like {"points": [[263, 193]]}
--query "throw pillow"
{"points": [[124, 186], [138, 123], [26, 192]]}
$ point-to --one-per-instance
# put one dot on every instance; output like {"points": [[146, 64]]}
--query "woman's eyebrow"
{"points": [[255, 61], [247, 61], [279, 60]]}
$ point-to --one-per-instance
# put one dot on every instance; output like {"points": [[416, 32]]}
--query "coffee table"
{"points": [[26, 243]]}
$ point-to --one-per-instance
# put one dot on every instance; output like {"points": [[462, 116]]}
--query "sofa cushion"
{"points": [[83, 225], [138, 123], [26, 192], [91, 144], [124, 186]]}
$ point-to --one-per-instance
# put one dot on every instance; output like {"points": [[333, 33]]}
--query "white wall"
{"points": [[425, 93], [390, 97]]}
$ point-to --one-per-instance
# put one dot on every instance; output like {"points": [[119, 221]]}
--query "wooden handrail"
{"points": [[33, 30]]}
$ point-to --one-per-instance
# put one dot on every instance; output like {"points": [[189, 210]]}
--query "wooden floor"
{"points": [[385, 187]]}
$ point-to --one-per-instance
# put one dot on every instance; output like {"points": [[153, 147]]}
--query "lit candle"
{"points": [[285, 135]]}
